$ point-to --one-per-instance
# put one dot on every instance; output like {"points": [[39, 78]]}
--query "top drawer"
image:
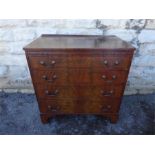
{"points": [[47, 61], [106, 61]]}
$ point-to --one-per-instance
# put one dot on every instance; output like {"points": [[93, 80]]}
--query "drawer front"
{"points": [[60, 92], [79, 61], [51, 77], [62, 77], [107, 92], [48, 62], [53, 92], [79, 106], [79, 77], [57, 106], [102, 106], [120, 62], [102, 77]]}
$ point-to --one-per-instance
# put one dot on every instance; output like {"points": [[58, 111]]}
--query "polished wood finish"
{"points": [[79, 74]]}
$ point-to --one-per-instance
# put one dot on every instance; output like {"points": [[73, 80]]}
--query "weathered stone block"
{"points": [[146, 91], [147, 36], [150, 24], [23, 34], [4, 48], [17, 77], [62, 23], [16, 48], [80, 31], [136, 24], [10, 90], [3, 82], [115, 23], [10, 60], [127, 35], [11, 23], [147, 49], [144, 61], [3, 71], [142, 72], [6, 35], [18, 72], [28, 91], [78, 23], [40, 31], [130, 91]]}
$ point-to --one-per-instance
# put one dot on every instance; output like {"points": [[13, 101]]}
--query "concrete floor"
{"points": [[19, 114]]}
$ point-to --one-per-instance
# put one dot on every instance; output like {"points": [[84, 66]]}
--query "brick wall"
{"points": [[14, 34]]}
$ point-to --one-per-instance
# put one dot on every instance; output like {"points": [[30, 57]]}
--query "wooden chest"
{"points": [[78, 74]]}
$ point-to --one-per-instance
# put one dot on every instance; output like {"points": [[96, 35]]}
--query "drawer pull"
{"points": [[104, 77], [116, 62], [105, 62], [53, 62], [51, 93], [48, 65], [44, 77], [106, 108], [53, 109], [104, 93], [114, 77], [42, 63], [109, 81], [53, 78]]}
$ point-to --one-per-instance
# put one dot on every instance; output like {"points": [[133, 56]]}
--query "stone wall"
{"points": [[14, 34]]}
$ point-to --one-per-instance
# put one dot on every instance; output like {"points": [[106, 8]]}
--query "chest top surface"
{"points": [[48, 42]]}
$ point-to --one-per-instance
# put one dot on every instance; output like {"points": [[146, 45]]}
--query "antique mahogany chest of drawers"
{"points": [[79, 74]]}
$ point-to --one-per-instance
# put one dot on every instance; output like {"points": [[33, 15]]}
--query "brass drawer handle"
{"points": [[53, 109], [53, 62], [113, 77], [54, 77], [104, 77], [44, 77], [45, 64], [105, 62], [116, 62], [105, 93], [42, 63], [106, 108], [55, 93]]}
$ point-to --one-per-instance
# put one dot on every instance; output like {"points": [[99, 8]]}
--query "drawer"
{"points": [[79, 61], [68, 105], [57, 92], [53, 92], [120, 62], [107, 92], [57, 106], [103, 105], [52, 77], [103, 77], [62, 77], [48, 61]]}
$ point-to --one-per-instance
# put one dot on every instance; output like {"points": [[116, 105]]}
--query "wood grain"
{"points": [[79, 74]]}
